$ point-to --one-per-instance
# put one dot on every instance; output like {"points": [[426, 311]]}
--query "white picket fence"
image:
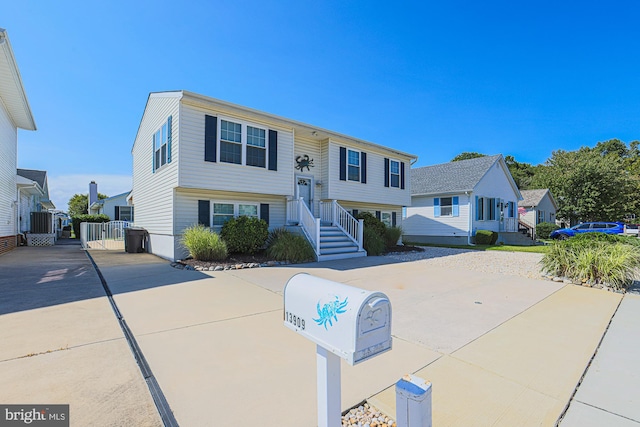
{"points": [[105, 235]]}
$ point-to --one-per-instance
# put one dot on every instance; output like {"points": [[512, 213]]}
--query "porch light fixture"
{"points": [[314, 133]]}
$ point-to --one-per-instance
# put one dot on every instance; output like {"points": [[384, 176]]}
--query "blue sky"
{"points": [[430, 78]]}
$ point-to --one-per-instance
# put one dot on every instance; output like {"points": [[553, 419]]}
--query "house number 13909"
{"points": [[294, 320]]}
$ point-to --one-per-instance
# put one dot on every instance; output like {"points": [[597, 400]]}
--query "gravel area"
{"points": [[523, 264]]}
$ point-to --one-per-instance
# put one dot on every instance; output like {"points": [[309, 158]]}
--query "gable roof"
{"points": [[534, 197], [34, 175], [12, 92], [454, 177]]}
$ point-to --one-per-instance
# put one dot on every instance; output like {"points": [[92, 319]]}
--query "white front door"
{"points": [[304, 189]]}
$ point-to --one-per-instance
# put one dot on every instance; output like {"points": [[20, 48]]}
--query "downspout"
{"points": [[468, 194]]}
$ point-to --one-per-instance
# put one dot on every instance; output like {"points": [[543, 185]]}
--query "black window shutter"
{"points": [[210, 138], [378, 215], [386, 172], [264, 212], [204, 209], [117, 215], [273, 151], [354, 212], [343, 164], [402, 176], [363, 167], [393, 219]]}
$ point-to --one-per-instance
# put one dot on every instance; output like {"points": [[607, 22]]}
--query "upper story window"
{"points": [[394, 173], [256, 147], [230, 142], [353, 165], [162, 145]]}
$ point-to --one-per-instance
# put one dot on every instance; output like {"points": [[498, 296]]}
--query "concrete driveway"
{"points": [[500, 350]]}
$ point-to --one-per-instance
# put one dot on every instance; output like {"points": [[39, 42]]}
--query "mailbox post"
{"points": [[344, 322]]}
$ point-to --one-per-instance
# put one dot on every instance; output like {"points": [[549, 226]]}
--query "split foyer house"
{"points": [[15, 114], [198, 159], [451, 201]]}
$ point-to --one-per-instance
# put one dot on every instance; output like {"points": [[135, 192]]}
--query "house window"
{"points": [[540, 217], [230, 142], [446, 206], [256, 147], [491, 202], [124, 213], [223, 212], [385, 217], [394, 173], [480, 209], [160, 139], [353, 165]]}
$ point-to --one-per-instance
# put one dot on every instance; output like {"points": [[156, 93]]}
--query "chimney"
{"points": [[93, 193]]}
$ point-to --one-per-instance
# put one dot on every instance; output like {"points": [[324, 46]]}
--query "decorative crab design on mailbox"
{"points": [[304, 162], [330, 311]]}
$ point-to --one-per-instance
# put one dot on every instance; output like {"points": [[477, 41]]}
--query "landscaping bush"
{"points": [[373, 242], [245, 234], [76, 220], [391, 236], [203, 244], [371, 222], [596, 258], [494, 237], [544, 229], [286, 246], [485, 237]]}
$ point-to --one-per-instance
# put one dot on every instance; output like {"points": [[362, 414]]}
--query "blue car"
{"points": [[586, 227]]}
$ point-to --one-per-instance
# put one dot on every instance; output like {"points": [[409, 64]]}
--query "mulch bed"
{"points": [[262, 258]]}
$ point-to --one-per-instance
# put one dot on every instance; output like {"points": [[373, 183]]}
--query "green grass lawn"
{"points": [[509, 248]]}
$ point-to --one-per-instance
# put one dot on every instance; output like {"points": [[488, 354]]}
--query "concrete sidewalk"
{"points": [[61, 343], [610, 392], [499, 350]]}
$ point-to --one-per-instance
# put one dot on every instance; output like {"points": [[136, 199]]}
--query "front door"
{"points": [[304, 191]]}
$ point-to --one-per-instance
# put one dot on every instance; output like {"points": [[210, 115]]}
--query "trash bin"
{"points": [[134, 239]]}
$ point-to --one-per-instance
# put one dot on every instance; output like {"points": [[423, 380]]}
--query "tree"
{"points": [[466, 156], [522, 173], [79, 204], [588, 184]]}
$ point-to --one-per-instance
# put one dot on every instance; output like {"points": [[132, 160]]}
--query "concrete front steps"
{"points": [[515, 238], [335, 244]]}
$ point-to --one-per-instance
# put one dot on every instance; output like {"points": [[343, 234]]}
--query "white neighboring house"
{"points": [[15, 114], [116, 207], [535, 207], [33, 195], [197, 159], [451, 201]]}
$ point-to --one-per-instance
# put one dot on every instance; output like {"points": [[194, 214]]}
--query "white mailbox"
{"points": [[352, 323]]}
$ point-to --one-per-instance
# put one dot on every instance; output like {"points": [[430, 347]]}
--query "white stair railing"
{"points": [[298, 211], [346, 222]]}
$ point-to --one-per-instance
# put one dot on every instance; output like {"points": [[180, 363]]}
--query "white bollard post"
{"points": [[329, 414], [413, 402]]}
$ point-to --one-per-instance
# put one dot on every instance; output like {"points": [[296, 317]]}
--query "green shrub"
{"points": [[373, 242], [76, 220], [286, 246], [544, 229], [203, 244], [245, 234], [494, 237], [275, 234], [484, 237], [371, 222], [391, 236], [594, 257]]}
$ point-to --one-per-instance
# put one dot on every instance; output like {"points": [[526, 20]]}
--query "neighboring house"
{"points": [[33, 196], [535, 207], [15, 113], [116, 207], [201, 160], [451, 201]]}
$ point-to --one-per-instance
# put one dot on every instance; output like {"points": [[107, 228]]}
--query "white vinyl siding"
{"points": [[8, 158], [494, 185], [196, 173], [421, 219], [373, 208], [153, 192], [374, 190]]}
